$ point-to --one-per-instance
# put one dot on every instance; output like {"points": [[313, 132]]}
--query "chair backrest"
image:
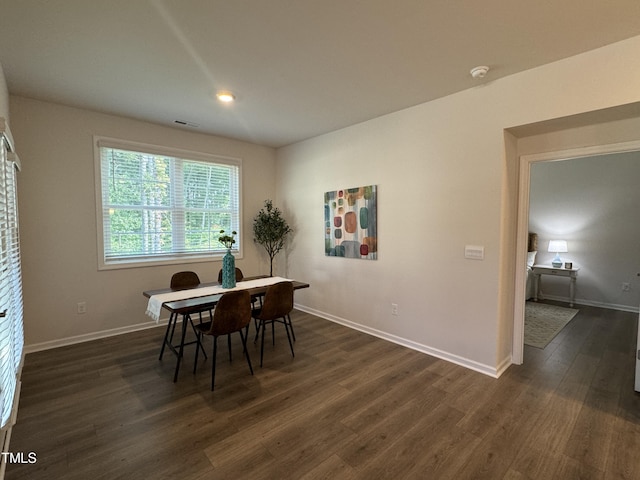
{"points": [[232, 313], [239, 275], [184, 280], [278, 301]]}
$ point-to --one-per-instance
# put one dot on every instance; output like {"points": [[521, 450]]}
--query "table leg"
{"points": [[166, 341], [536, 286], [572, 291], [185, 319]]}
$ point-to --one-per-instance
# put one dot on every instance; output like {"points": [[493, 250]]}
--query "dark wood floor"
{"points": [[349, 406]]}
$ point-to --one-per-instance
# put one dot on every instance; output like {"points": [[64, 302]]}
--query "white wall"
{"points": [[447, 178], [592, 203], [58, 220]]}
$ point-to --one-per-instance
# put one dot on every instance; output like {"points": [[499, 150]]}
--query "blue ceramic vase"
{"points": [[228, 270]]}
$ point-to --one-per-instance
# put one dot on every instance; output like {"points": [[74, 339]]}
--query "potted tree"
{"points": [[270, 230]]}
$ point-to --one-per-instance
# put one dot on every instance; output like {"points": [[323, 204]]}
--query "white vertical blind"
{"points": [[11, 306], [15, 260], [7, 380]]}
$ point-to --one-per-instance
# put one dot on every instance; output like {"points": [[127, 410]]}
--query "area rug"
{"points": [[543, 322]]}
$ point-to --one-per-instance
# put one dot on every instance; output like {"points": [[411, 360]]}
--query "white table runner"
{"points": [[155, 301]]}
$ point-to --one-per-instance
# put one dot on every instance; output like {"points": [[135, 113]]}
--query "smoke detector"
{"points": [[479, 72]]}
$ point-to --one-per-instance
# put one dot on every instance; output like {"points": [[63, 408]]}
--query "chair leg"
{"points": [[229, 345], [246, 352], [195, 361], [213, 362], [255, 320], [273, 333], [291, 327], [262, 326], [246, 332], [258, 327], [199, 344], [286, 327]]}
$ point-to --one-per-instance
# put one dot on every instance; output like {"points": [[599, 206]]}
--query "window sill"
{"points": [[157, 262]]}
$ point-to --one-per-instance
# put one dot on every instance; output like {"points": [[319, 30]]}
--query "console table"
{"points": [[571, 273]]}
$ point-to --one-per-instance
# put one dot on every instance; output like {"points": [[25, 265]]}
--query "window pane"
{"points": [[137, 179], [203, 230]]}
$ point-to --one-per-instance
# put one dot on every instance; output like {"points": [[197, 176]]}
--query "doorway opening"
{"points": [[525, 164]]}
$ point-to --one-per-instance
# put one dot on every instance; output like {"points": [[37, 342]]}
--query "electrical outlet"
{"points": [[82, 307], [625, 287], [394, 309]]}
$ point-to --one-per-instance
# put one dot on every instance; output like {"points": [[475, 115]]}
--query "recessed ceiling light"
{"points": [[226, 97]]}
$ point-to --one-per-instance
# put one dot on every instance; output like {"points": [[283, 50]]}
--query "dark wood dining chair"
{"points": [[239, 278], [232, 314], [184, 280], [181, 281], [239, 275], [276, 307]]}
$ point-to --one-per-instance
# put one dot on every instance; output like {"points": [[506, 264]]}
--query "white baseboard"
{"points": [[591, 303], [464, 362], [434, 352], [37, 347], [503, 365]]}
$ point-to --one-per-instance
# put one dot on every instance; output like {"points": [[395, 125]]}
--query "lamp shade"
{"points": [[558, 246]]}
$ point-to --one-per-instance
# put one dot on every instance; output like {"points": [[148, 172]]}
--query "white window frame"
{"points": [[171, 258]]}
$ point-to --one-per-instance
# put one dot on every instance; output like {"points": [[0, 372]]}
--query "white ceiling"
{"points": [[299, 68]]}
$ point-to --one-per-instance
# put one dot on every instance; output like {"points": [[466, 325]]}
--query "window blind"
{"points": [[159, 204], [11, 305]]}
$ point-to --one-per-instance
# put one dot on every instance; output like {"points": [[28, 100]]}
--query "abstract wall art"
{"points": [[351, 227]]}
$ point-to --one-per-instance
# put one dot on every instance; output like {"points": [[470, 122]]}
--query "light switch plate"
{"points": [[474, 252]]}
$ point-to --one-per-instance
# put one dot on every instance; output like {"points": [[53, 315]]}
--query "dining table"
{"points": [[200, 299]]}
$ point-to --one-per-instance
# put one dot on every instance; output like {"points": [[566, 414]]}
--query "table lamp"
{"points": [[557, 247]]}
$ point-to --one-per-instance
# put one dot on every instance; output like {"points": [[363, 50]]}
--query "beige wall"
{"points": [[4, 97], [447, 178], [58, 220]]}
